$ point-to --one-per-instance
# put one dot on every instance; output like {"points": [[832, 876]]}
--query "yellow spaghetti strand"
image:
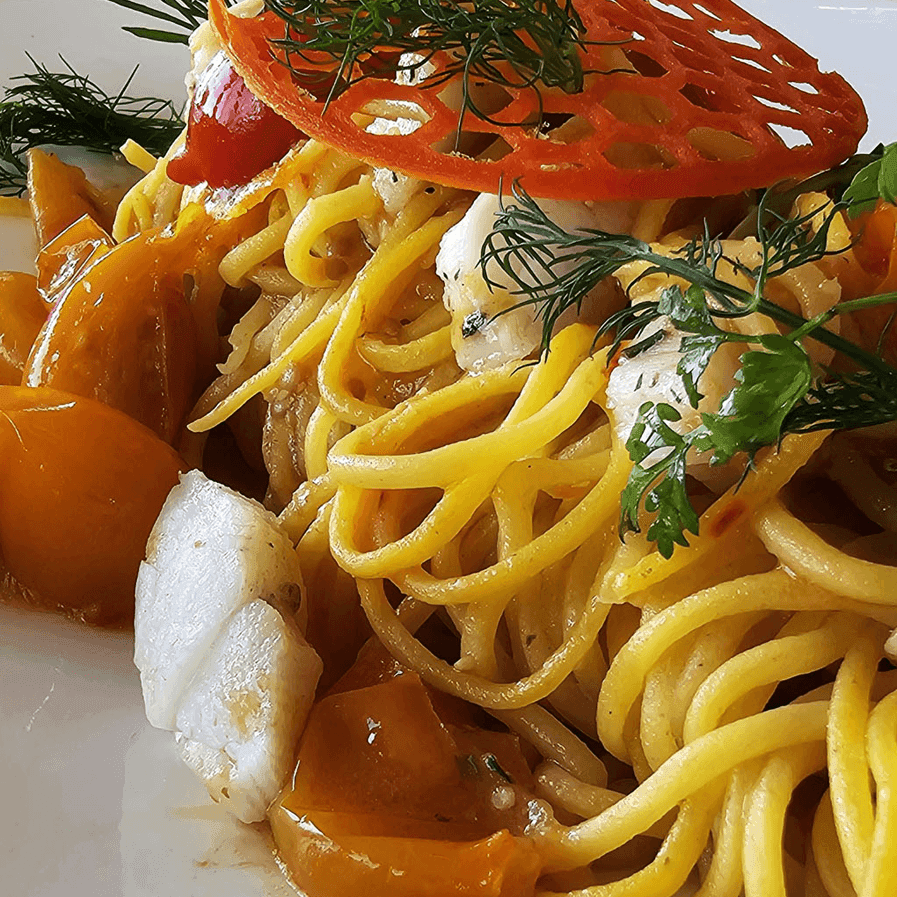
{"points": [[493, 695], [773, 591], [764, 872], [459, 460], [677, 856], [725, 876], [599, 506], [881, 747], [414, 234], [555, 742], [246, 255], [684, 774], [303, 347], [827, 852], [415, 355], [847, 763], [316, 218], [810, 556], [768, 664]]}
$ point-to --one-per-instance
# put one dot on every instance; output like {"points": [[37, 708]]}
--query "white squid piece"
{"points": [[220, 650], [482, 341]]}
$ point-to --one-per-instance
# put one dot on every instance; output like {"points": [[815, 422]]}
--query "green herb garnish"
{"points": [[68, 109], [778, 392], [187, 15], [878, 180], [523, 44], [493, 765]]}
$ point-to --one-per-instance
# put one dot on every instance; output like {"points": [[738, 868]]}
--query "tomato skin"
{"points": [[122, 333], [81, 485], [60, 194], [61, 261], [391, 798], [231, 135], [350, 865], [22, 314]]}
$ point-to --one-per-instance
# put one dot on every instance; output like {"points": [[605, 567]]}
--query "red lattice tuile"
{"points": [[705, 79]]}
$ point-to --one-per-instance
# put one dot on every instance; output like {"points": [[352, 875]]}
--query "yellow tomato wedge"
{"points": [[80, 487], [66, 256], [60, 194], [22, 314], [123, 333], [390, 798]]}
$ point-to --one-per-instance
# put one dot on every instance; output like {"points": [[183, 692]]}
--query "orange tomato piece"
{"points": [[869, 268], [22, 314], [60, 194], [80, 487], [123, 334], [66, 256], [497, 866], [876, 246], [387, 798]]}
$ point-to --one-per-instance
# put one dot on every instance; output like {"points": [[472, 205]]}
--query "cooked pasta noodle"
{"points": [[491, 501], [721, 720]]}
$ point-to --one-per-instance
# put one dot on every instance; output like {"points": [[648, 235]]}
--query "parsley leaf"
{"points": [[689, 313], [661, 484], [770, 383], [878, 180]]}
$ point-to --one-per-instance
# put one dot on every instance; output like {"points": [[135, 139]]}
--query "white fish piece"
{"points": [[482, 343], [394, 188], [651, 376], [210, 552], [400, 118], [204, 44], [240, 719], [415, 68]]}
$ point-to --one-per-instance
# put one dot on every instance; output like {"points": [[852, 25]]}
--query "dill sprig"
{"points": [[556, 269], [522, 44], [187, 15], [777, 392], [67, 109]]}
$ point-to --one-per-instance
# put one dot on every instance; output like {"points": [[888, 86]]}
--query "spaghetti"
{"points": [[720, 720], [491, 501]]}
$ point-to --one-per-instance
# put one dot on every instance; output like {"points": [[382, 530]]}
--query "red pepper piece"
{"points": [[231, 135]]}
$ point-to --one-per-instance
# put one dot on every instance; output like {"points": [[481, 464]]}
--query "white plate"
{"points": [[94, 801]]}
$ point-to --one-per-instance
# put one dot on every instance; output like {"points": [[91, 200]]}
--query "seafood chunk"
{"points": [[240, 718], [482, 341], [402, 117], [210, 552], [221, 654], [651, 376]]}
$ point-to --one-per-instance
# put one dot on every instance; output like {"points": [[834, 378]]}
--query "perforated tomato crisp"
{"points": [[680, 99]]}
